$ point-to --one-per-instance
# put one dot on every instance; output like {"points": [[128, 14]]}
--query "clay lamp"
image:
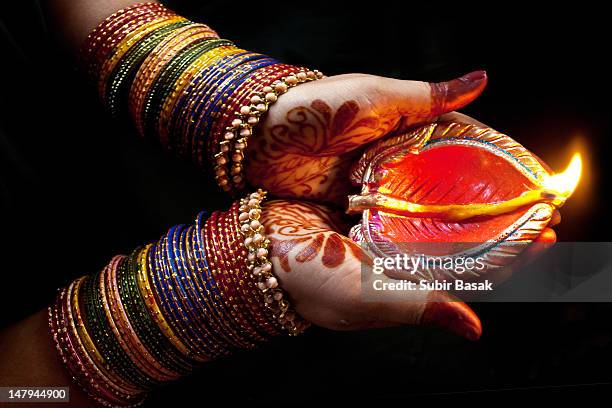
{"points": [[449, 189]]}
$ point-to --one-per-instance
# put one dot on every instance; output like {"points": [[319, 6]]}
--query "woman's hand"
{"points": [[312, 135], [326, 275], [322, 272]]}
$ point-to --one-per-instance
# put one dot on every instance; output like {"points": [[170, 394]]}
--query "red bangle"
{"points": [[101, 41]]}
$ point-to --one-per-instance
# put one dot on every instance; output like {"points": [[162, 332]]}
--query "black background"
{"points": [[76, 188]]}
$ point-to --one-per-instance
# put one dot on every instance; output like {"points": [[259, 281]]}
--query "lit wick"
{"points": [[554, 189]]}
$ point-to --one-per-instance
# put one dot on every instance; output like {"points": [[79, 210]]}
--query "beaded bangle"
{"points": [[243, 281], [261, 268], [242, 95], [241, 129], [247, 284]]}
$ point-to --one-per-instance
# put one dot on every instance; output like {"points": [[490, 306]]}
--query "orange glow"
{"points": [[563, 184]]}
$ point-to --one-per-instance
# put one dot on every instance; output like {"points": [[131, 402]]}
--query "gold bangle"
{"points": [[260, 266]]}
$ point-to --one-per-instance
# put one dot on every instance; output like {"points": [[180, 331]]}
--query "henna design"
{"points": [[305, 230], [334, 252], [316, 131], [294, 218], [281, 249], [313, 147]]}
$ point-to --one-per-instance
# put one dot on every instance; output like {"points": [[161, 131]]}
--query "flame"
{"points": [[565, 183]]}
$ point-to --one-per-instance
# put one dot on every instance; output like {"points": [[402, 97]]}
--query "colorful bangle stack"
{"points": [[199, 293], [199, 95]]}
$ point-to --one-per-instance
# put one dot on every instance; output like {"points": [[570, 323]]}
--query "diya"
{"points": [[455, 190]]}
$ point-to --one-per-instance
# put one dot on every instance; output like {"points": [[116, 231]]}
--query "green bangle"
{"points": [[103, 338], [142, 322], [118, 83]]}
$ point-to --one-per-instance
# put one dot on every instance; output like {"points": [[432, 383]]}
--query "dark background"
{"points": [[76, 188]]}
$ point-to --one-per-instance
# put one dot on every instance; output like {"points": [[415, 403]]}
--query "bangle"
{"points": [[146, 289], [180, 87], [254, 83], [130, 40], [248, 284], [142, 322], [117, 85], [132, 344], [104, 38], [218, 239], [83, 340], [157, 62], [169, 80], [241, 128], [260, 267]]}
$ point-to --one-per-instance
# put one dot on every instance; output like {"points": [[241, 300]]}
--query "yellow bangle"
{"points": [[147, 294], [181, 83]]}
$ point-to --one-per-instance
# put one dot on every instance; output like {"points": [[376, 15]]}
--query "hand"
{"points": [[311, 135], [322, 270]]}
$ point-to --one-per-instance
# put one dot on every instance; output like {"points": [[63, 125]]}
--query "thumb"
{"points": [[420, 102]]}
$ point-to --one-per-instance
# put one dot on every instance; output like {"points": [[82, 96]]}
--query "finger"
{"points": [[541, 244], [423, 307], [420, 102], [555, 219], [459, 117], [440, 310], [444, 311]]}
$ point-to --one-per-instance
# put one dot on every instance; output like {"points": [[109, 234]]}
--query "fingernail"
{"points": [[463, 90], [475, 76], [456, 316]]}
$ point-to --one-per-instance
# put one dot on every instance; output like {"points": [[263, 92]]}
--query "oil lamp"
{"points": [[455, 190]]}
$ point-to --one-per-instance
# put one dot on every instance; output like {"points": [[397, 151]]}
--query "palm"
{"points": [[311, 136], [322, 272]]}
